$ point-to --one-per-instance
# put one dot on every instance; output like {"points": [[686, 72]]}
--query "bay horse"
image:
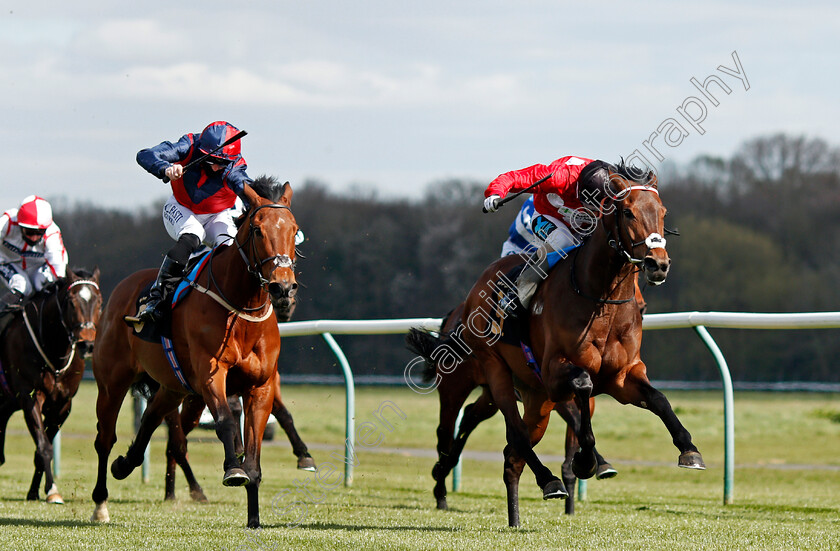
{"points": [[585, 331], [180, 424], [42, 359], [454, 387], [224, 338]]}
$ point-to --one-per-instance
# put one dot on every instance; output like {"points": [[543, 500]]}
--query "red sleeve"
{"points": [[564, 174], [516, 180]]}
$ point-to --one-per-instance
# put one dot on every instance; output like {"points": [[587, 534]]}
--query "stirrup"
{"points": [[508, 304]]}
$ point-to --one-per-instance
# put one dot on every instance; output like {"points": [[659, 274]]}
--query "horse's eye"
{"points": [[258, 232], [628, 214]]}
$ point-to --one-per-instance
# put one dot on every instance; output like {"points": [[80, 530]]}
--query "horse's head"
{"points": [[266, 240], [639, 222], [81, 304]]}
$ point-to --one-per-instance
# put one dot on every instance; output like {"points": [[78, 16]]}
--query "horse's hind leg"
{"points": [[108, 402], [501, 386], [638, 391], [7, 408], [284, 417], [474, 414], [163, 402], [180, 424]]}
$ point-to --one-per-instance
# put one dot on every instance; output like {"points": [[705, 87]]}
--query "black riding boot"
{"points": [[10, 303], [170, 272]]}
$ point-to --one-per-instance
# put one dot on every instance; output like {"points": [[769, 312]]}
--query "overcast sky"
{"points": [[390, 95]]}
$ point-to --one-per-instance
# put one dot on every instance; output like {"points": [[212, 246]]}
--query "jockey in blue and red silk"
{"points": [[32, 253], [559, 219], [202, 195]]}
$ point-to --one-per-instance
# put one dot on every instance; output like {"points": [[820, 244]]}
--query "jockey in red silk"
{"points": [[560, 218], [32, 252], [202, 195]]}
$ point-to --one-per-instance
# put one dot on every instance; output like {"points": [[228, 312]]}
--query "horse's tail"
{"points": [[424, 343]]}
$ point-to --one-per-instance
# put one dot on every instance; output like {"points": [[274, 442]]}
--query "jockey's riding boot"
{"points": [[534, 272], [10, 303], [170, 271]]}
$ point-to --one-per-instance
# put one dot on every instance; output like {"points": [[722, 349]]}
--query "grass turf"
{"points": [[786, 494]]}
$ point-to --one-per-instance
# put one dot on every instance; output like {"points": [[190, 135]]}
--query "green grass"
{"points": [[779, 502]]}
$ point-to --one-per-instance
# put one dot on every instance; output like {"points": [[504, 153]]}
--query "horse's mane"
{"points": [[635, 174], [268, 187]]}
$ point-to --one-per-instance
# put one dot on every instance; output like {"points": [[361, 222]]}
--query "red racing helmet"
{"points": [[35, 213], [214, 135]]}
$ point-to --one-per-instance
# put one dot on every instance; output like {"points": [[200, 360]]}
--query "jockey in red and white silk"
{"points": [[560, 219], [32, 252]]}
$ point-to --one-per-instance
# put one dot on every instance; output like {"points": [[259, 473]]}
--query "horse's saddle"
{"points": [[153, 332]]}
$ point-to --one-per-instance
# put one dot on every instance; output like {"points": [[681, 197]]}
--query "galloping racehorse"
{"points": [[42, 362], [454, 387], [182, 423], [224, 340], [585, 331]]}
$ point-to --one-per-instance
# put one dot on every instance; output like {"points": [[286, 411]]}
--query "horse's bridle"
{"points": [[653, 241], [70, 331], [255, 269]]}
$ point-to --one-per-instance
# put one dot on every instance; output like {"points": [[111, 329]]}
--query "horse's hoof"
{"points": [[584, 467], [605, 470], [120, 468], [441, 504], [55, 498], [306, 463], [100, 514], [32, 497], [235, 477], [555, 490], [691, 460], [169, 497], [198, 496]]}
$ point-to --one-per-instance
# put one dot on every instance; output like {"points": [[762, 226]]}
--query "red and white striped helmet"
{"points": [[34, 213]]}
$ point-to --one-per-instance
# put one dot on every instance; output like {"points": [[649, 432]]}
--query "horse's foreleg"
{"points": [[53, 420], [512, 472], [32, 404], [570, 414], [163, 402], [638, 391], [584, 463], [257, 405], [284, 418]]}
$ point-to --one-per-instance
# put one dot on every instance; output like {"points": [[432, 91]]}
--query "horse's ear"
{"points": [[71, 276], [96, 273], [286, 198], [253, 196], [652, 180]]}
